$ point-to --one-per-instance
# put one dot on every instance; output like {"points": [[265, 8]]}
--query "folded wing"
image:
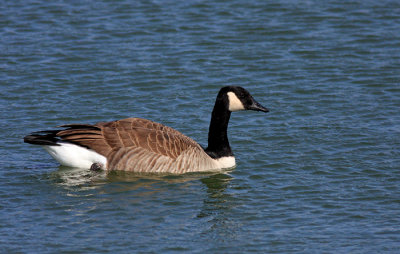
{"points": [[136, 144]]}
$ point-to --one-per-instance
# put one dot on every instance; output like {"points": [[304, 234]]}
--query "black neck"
{"points": [[218, 144]]}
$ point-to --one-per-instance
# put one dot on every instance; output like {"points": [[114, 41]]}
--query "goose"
{"points": [[141, 145]]}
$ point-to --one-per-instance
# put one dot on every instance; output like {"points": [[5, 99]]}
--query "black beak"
{"points": [[257, 107]]}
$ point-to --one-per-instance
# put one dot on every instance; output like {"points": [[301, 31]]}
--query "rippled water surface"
{"points": [[319, 173]]}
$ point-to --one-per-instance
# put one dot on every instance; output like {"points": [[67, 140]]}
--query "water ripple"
{"points": [[320, 171]]}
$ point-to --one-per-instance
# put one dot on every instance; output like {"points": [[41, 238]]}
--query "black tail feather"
{"points": [[48, 138], [53, 137], [80, 126]]}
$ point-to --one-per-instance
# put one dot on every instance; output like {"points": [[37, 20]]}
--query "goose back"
{"points": [[140, 145]]}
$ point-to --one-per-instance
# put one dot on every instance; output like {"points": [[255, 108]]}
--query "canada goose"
{"points": [[140, 145]]}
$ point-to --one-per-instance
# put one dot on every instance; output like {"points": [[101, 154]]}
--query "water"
{"points": [[319, 173]]}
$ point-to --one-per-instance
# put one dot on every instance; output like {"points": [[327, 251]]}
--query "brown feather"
{"points": [[134, 144]]}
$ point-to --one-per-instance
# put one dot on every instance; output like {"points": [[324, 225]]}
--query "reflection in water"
{"points": [[216, 184], [217, 208], [75, 177], [78, 179], [154, 197]]}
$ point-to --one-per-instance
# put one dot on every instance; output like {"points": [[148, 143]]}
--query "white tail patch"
{"points": [[72, 155], [234, 103]]}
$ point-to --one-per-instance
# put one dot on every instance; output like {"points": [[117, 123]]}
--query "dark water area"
{"points": [[319, 173]]}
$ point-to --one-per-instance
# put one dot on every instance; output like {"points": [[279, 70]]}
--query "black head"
{"points": [[239, 98]]}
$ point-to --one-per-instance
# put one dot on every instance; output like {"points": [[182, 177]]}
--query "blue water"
{"points": [[320, 173]]}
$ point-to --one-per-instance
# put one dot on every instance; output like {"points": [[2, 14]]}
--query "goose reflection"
{"points": [[218, 208], [216, 197], [162, 197], [80, 179], [75, 177]]}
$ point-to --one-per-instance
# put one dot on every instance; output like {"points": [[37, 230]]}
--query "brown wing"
{"points": [[127, 135]]}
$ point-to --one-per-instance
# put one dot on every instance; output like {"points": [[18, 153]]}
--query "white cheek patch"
{"points": [[234, 103]]}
